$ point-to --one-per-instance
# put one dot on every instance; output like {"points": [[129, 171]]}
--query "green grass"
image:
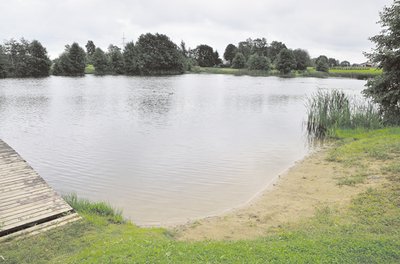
{"points": [[356, 70], [368, 231], [88, 208], [89, 69]]}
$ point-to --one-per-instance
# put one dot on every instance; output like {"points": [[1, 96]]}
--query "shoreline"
{"points": [[257, 195], [294, 195]]}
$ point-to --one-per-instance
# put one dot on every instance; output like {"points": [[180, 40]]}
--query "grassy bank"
{"points": [[355, 73], [365, 231]]}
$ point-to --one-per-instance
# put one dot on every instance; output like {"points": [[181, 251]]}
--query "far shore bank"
{"points": [[352, 73], [356, 73]]}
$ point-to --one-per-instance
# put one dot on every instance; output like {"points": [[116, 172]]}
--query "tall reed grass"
{"points": [[331, 110], [97, 208]]}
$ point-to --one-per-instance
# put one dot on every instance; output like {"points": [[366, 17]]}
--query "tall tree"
{"points": [[90, 49], [257, 62], [205, 56], [157, 54], [285, 61], [260, 47], [333, 62], [239, 62], [217, 59], [302, 59], [18, 56], [116, 60], [274, 49], [246, 48], [100, 62], [130, 56], [385, 89], [183, 49], [38, 63], [4, 65], [71, 62], [322, 64], [78, 60], [345, 64], [230, 52]]}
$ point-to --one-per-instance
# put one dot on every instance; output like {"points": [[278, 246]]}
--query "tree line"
{"points": [[153, 54], [257, 54]]}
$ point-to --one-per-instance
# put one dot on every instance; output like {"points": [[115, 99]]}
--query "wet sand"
{"points": [[296, 194]]}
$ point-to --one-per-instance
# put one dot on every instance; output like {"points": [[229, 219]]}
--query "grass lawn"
{"points": [[366, 231]]}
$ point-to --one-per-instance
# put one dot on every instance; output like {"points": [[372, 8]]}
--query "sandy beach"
{"points": [[310, 184]]}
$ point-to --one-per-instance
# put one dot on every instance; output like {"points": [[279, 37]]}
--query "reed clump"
{"points": [[95, 208], [328, 111]]}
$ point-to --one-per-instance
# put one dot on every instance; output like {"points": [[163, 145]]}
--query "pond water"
{"points": [[163, 149]]}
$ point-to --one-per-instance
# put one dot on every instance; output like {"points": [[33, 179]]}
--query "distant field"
{"points": [[346, 72], [356, 70]]}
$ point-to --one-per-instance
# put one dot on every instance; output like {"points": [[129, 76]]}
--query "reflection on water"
{"points": [[164, 149]]}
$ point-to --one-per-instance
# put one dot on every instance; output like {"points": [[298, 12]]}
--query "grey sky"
{"points": [[337, 28]]}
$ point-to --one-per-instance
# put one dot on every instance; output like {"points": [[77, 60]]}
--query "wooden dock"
{"points": [[27, 203]]}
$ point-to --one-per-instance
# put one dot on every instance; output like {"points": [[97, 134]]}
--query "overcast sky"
{"points": [[339, 28]]}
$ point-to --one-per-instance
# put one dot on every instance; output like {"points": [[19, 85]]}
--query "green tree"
{"points": [[4, 65], [38, 62], [385, 89], [260, 47], [217, 59], [77, 58], [157, 54], [257, 62], [230, 52], [322, 64], [72, 61], [116, 60], [246, 48], [205, 56], [90, 49], [285, 61], [100, 62], [333, 62], [345, 64], [183, 49], [302, 59], [18, 56], [274, 49], [130, 56], [239, 61], [24, 59]]}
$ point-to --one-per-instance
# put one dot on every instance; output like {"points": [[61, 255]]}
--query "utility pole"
{"points": [[123, 40]]}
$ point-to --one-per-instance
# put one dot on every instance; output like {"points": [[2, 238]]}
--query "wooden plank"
{"points": [[20, 191], [40, 228], [19, 186], [18, 177], [32, 204], [22, 181], [33, 209], [45, 212], [25, 198], [25, 195], [33, 218]]}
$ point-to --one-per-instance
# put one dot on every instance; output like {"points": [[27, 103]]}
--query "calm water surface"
{"points": [[164, 149]]}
